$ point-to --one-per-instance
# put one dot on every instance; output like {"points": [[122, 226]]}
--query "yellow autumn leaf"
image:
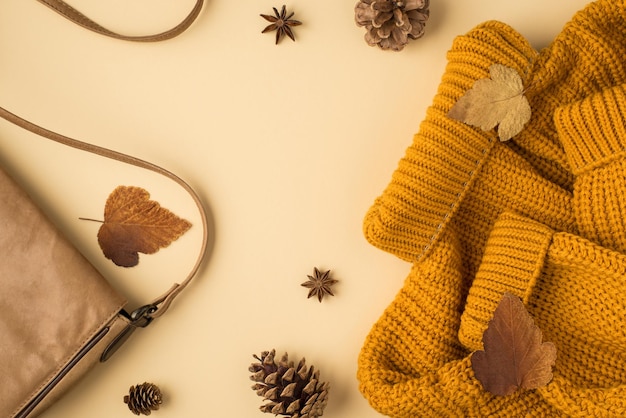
{"points": [[495, 101]]}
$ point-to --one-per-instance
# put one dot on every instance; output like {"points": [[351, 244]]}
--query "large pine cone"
{"points": [[292, 391], [143, 399], [391, 24]]}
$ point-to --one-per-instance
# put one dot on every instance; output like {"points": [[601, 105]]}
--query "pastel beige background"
{"points": [[287, 145]]}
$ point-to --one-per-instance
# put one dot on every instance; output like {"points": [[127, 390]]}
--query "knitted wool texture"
{"points": [[541, 216]]}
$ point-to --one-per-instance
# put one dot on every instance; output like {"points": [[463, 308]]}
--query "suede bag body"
{"points": [[53, 303], [58, 316]]}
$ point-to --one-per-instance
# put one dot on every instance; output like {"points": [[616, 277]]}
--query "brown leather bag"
{"points": [[58, 316]]}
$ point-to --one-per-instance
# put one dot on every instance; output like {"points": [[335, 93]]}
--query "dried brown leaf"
{"points": [[135, 224], [514, 356], [498, 100]]}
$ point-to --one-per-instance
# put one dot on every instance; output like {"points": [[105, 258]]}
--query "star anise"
{"points": [[281, 23], [320, 284]]}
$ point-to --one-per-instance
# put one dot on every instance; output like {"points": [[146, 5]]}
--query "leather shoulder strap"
{"points": [[162, 303], [77, 17]]}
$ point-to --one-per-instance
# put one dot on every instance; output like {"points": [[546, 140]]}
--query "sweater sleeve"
{"points": [[412, 365], [574, 290], [431, 179], [593, 134], [572, 284]]}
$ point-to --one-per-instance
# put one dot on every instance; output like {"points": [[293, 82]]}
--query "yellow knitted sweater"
{"points": [[542, 216]]}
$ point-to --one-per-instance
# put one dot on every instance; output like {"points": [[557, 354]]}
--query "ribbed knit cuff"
{"points": [[593, 130], [513, 259], [438, 168]]}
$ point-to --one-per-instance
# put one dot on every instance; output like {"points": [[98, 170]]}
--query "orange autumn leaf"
{"points": [[514, 357], [135, 224]]}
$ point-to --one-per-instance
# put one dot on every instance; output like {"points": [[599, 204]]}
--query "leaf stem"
{"points": [[92, 220]]}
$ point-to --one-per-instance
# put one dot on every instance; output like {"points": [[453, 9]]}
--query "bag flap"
{"points": [[52, 300]]}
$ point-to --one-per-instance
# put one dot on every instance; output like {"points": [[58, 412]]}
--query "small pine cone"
{"points": [[391, 24], [292, 391], [143, 399]]}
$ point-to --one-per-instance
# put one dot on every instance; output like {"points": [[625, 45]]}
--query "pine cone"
{"points": [[143, 399], [391, 24], [292, 391]]}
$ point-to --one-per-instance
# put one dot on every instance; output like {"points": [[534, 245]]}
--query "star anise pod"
{"points": [[319, 284], [281, 23]]}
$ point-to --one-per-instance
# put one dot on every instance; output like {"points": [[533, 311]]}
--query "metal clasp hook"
{"points": [[139, 318]]}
